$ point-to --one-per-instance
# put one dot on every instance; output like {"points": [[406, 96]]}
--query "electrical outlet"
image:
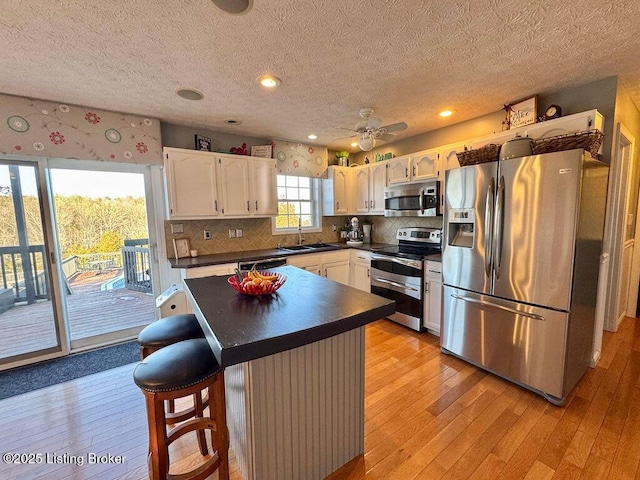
{"points": [[207, 234], [232, 233], [334, 228], [177, 228], [238, 233]]}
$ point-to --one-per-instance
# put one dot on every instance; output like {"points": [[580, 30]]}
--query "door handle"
{"points": [[395, 284], [499, 219], [500, 307], [488, 225]]}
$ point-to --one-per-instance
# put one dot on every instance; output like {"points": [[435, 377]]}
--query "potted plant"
{"points": [[343, 158]]}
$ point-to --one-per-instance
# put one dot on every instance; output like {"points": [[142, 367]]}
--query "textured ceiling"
{"points": [[408, 59]]}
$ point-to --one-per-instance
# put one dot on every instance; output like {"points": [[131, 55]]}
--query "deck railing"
{"points": [[13, 273], [133, 259]]}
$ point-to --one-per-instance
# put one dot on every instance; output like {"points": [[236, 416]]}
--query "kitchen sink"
{"points": [[295, 248], [311, 246], [320, 245]]}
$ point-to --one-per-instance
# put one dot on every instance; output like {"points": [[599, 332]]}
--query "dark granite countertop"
{"points": [[306, 309], [255, 255]]}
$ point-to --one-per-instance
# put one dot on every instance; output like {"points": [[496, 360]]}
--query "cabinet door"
{"points": [[424, 165], [448, 160], [191, 184], [361, 277], [398, 170], [264, 196], [308, 262], [361, 190], [377, 183], [337, 271], [341, 190], [234, 186], [435, 306]]}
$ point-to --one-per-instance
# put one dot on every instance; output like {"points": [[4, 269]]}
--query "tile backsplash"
{"points": [[256, 232]]}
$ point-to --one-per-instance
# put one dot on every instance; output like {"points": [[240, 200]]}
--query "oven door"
{"points": [[400, 280]]}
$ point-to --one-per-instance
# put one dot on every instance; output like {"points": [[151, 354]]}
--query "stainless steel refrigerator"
{"points": [[522, 245]]}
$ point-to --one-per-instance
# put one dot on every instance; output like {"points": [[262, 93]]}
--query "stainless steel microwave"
{"points": [[412, 200]]}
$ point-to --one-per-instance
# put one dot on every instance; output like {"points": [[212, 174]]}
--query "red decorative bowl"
{"points": [[253, 288]]}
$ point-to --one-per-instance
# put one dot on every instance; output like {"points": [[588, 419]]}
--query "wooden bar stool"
{"points": [[168, 330], [179, 370]]}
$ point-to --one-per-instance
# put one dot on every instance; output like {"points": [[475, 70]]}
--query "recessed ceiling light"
{"points": [[235, 7], [189, 94], [232, 122], [354, 144], [445, 113], [268, 81], [312, 136]]}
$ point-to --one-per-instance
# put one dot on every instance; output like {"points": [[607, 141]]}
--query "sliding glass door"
{"points": [[105, 251], [31, 323], [78, 256]]}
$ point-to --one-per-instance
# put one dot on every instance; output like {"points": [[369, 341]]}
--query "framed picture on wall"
{"points": [[203, 143]]}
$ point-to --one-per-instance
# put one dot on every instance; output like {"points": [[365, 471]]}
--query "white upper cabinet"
{"points": [[369, 182], [336, 191], [361, 189], [214, 185], [425, 165], [191, 184], [234, 186], [264, 198], [398, 170], [377, 184]]}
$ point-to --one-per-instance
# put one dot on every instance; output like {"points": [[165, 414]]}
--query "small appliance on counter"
{"points": [[355, 235], [366, 232]]}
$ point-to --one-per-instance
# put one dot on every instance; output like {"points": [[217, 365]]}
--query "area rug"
{"points": [[32, 377]]}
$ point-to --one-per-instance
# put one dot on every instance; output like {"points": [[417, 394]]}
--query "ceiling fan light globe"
{"points": [[367, 142]]}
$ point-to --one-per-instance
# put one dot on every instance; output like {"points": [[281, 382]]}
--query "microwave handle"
{"points": [[421, 200]]}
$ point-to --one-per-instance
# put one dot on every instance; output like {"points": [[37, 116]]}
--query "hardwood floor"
{"points": [[428, 416], [27, 328]]}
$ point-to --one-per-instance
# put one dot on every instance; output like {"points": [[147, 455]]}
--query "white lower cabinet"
{"points": [[335, 266], [309, 262], [361, 264], [433, 297], [332, 265], [208, 271]]}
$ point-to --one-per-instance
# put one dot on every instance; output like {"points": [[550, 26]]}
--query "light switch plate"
{"points": [[238, 233], [232, 233], [177, 228]]}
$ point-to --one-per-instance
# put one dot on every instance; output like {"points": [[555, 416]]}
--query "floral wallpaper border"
{"points": [[300, 160], [49, 129]]}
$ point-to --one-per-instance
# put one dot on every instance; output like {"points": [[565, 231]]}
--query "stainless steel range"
{"points": [[398, 273]]}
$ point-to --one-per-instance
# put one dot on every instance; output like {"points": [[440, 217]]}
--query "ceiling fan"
{"points": [[370, 129]]}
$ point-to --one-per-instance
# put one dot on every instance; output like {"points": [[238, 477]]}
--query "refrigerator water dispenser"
{"points": [[461, 227]]}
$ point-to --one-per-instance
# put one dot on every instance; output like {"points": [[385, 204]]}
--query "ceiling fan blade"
{"points": [[386, 137], [394, 127], [343, 138]]}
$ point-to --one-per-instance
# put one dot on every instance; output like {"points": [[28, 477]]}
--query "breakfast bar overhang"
{"points": [[294, 370]]}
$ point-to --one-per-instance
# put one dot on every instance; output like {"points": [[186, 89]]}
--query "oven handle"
{"points": [[409, 263], [395, 284], [501, 307]]}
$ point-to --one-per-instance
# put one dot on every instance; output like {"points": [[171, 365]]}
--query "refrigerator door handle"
{"points": [[501, 307], [488, 233], [499, 219]]}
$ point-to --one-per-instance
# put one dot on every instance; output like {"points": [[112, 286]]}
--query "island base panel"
{"points": [[299, 413]]}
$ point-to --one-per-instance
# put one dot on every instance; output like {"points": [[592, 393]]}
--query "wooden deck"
{"points": [[427, 416], [92, 311]]}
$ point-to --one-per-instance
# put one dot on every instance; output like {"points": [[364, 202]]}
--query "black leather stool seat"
{"points": [[170, 330], [176, 366]]}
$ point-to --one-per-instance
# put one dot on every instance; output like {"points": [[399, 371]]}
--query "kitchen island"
{"points": [[294, 370]]}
